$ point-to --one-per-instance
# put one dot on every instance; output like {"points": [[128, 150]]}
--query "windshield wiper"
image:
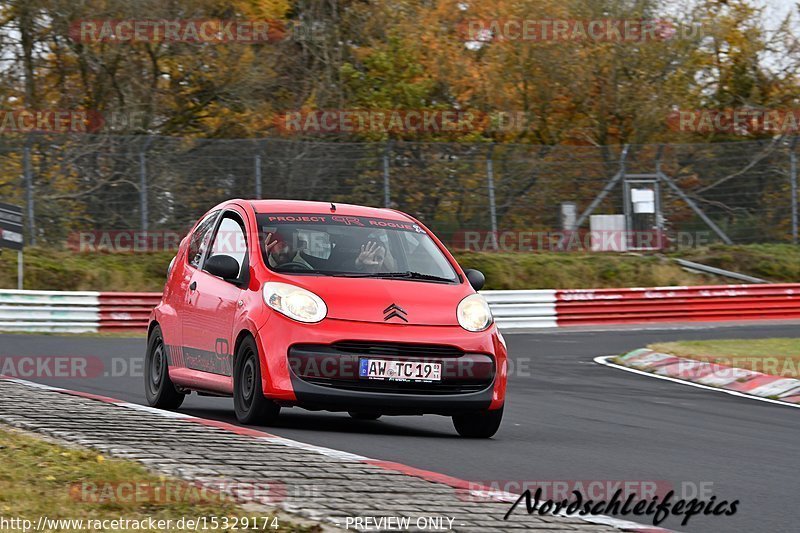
{"points": [[381, 275], [305, 271], [334, 273], [410, 275]]}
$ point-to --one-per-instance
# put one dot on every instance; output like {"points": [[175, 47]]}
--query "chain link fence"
{"points": [[742, 192]]}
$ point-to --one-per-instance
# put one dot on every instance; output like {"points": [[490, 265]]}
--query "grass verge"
{"points": [[50, 269], [778, 357], [778, 263], [576, 270], [39, 478], [64, 270], [54, 269]]}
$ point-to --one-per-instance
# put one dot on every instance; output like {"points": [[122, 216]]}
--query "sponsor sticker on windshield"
{"points": [[342, 220]]}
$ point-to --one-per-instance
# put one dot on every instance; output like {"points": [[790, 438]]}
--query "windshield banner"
{"points": [[340, 220]]}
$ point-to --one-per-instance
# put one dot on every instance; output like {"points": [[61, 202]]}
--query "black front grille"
{"points": [[397, 348], [399, 387]]}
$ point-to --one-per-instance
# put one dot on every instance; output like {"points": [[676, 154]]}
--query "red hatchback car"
{"points": [[326, 307]]}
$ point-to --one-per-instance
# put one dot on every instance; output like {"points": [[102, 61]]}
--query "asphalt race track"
{"points": [[567, 418]]}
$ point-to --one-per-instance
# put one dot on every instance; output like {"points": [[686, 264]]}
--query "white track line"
{"points": [[604, 360]]}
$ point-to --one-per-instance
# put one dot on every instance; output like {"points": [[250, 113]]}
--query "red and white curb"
{"points": [[710, 376], [459, 484]]}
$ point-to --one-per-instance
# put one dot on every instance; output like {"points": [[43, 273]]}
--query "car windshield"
{"points": [[350, 246]]}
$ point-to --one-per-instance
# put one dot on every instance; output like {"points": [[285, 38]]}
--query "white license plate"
{"points": [[400, 370]]}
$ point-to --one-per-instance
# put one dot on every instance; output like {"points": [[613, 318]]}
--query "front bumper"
{"points": [[282, 341], [318, 397]]}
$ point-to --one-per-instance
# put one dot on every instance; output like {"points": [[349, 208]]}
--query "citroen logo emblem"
{"points": [[394, 311]]}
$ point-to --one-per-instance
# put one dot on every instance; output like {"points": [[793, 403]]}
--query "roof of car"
{"points": [[305, 207]]}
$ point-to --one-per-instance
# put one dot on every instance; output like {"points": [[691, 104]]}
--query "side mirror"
{"points": [[475, 278], [223, 266]]}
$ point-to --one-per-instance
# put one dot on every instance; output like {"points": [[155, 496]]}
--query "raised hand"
{"points": [[269, 244], [372, 255]]}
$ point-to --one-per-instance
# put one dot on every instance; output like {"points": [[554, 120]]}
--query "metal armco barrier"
{"points": [[107, 311], [523, 309], [49, 311], [74, 312]]}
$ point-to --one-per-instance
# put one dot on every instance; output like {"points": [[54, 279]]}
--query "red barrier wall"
{"points": [[130, 311], [126, 311], [677, 304]]}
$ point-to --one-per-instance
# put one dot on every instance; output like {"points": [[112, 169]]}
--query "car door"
{"points": [[181, 277], [213, 303]]}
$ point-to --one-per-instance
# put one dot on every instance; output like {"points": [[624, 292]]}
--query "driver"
{"points": [[282, 250]]}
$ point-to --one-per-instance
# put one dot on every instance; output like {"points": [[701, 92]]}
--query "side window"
{"points": [[230, 240], [200, 239]]}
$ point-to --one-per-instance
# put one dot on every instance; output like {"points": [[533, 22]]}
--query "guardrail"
{"points": [[49, 311], [75, 312], [523, 309], [691, 266]]}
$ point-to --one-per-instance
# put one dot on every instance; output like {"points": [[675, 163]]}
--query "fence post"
{"points": [[490, 185], [20, 271], [258, 176], [387, 190], [607, 189], [29, 196], [144, 207], [793, 178]]}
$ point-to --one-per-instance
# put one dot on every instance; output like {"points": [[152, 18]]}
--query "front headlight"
{"points": [[474, 313], [294, 302]]}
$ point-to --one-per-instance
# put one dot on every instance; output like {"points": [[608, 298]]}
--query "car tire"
{"points": [[361, 415], [249, 402], [480, 425], [158, 388]]}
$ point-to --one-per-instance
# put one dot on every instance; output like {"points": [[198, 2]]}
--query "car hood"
{"points": [[371, 300]]}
